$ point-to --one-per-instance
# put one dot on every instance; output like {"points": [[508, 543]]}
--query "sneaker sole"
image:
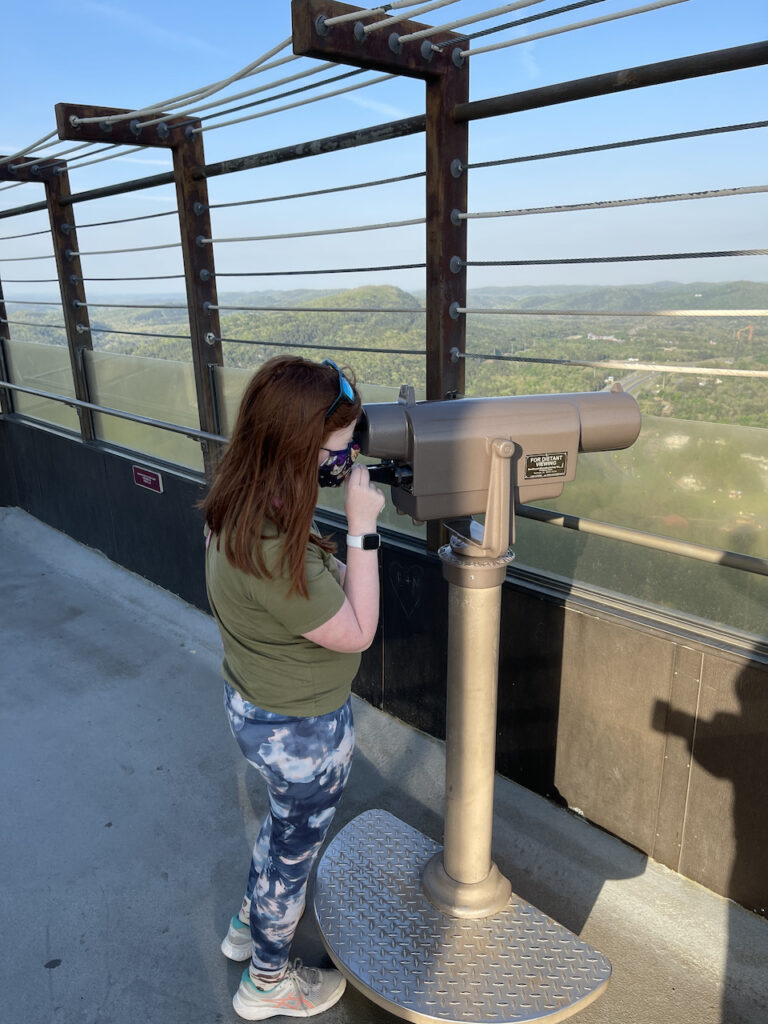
{"points": [[248, 1012], [237, 953]]}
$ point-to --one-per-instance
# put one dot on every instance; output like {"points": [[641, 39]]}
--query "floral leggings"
{"points": [[305, 763]]}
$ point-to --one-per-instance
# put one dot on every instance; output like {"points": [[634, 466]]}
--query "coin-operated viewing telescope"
{"points": [[442, 458], [452, 460]]}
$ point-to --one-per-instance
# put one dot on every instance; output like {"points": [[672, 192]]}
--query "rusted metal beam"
{"points": [[186, 145], [316, 147], [52, 175], [380, 50], [169, 132], [736, 58]]}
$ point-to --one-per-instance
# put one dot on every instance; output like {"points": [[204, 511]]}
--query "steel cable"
{"points": [[125, 305], [424, 9], [31, 323], [610, 364], [112, 156], [701, 132], [606, 204], [313, 234], [707, 313], [26, 234], [284, 95], [319, 191], [29, 149], [526, 21], [176, 101], [53, 157], [126, 220], [396, 5], [657, 5], [22, 259], [115, 252], [469, 20], [617, 259], [138, 334], [291, 106], [335, 270], [248, 92], [326, 348], [314, 309], [149, 277]]}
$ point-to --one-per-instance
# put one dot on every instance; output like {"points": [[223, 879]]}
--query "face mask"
{"points": [[331, 473]]}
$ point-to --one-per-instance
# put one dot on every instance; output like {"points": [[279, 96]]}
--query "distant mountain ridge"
{"points": [[610, 298]]}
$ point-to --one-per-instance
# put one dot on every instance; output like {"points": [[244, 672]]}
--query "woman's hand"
{"points": [[363, 501]]}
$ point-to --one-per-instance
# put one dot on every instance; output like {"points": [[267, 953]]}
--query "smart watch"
{"points": [[366, 541]]}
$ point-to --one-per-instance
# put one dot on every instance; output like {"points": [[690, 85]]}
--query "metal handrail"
{"points": [[76, 403], [640, 538], [701, 552]]}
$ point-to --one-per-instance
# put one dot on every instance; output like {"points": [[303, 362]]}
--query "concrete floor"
{"points": [[127, 813]]}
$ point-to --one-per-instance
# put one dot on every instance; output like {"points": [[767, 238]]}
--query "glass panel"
{"points": [[230, 383], [160, 389], [46, 368], [734, 599]]}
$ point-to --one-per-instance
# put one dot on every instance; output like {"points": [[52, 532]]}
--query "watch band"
{"points": [[366, 541]]}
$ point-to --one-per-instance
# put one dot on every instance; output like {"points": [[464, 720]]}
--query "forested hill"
{"points": [[363, 322]]}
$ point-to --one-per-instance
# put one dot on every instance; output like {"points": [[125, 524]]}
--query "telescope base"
{"points": [[401, 952]]}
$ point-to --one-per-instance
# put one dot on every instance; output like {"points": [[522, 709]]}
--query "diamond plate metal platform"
{"points": [[392, 944]]}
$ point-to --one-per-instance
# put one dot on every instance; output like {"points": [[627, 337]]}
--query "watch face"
{"points": [[371, 541]]}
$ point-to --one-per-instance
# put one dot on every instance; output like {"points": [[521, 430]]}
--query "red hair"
{"points": [[269, 470]]}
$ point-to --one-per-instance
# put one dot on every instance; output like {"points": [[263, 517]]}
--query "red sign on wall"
{"points": [[147, 478]]}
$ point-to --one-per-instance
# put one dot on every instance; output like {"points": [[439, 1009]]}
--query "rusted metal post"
{"points": [[55, 180], [200, 279], [73, 298], [177, 134], [447, 157]]}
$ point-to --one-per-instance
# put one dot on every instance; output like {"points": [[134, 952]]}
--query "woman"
{"points": [[293, 622]]}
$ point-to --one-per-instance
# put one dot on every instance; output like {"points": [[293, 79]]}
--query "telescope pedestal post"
{"points": [[463, 881]]}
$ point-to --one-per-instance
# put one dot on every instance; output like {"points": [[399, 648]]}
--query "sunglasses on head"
{"points": [[346, 391]]}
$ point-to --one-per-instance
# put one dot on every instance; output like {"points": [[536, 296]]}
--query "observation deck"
{"points": [[129, 814], [633, 671]]}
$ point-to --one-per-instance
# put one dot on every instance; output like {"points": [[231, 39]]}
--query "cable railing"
{"points": [[378, 24]]}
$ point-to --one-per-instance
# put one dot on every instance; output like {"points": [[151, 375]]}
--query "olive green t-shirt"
{"points": [[266, 658]]}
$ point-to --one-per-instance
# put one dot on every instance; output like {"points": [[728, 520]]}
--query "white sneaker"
{"points": [[237, 943], [303, 992]]}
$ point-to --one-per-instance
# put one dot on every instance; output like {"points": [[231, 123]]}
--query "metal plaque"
{"points": [[148, 478], [400, 951], [548, 464]]}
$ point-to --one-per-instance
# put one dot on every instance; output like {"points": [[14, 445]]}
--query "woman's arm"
{"points": [[353, 627]]}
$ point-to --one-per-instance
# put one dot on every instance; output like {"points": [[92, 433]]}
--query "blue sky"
{"points": [[129, 55]]}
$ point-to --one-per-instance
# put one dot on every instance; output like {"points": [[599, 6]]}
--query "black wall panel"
{"points": [[8, 494]]}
